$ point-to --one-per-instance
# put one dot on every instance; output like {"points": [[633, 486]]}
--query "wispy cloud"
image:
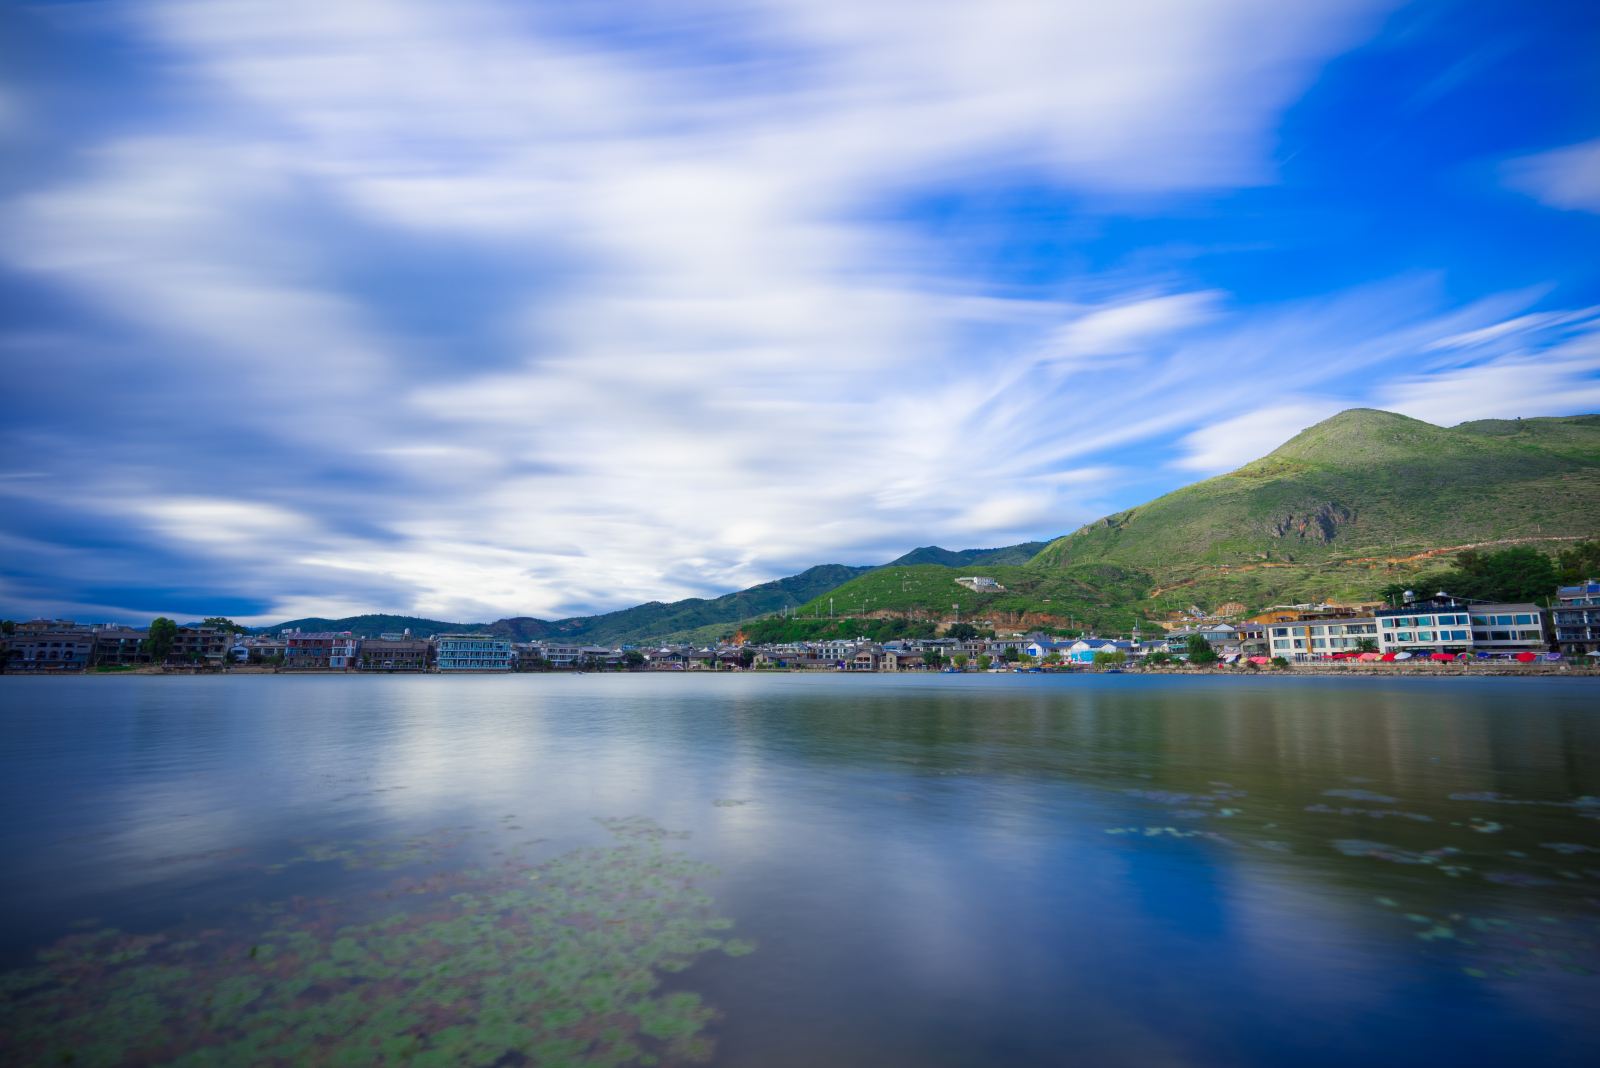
{"points": [[492, 308], [1566, 178]]}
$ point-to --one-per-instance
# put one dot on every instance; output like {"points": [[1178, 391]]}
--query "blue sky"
{"points": [[480, 309]]}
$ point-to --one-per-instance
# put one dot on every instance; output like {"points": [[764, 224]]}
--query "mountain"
{"points": [[655, 619], [933, 554], [1361, 482], [370, 626], [639, 623], [1344, 508]]}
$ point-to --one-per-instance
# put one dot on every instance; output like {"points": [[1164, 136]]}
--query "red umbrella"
{"points": [[1442, 656], [1527, 658], [1386, 656]]}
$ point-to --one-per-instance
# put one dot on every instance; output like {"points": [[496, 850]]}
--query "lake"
{"points": [[788, 870]]}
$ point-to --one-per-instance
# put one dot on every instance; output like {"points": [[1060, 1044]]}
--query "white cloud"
{"points": [[1567, 178], [708, 360], [1227, 444]]}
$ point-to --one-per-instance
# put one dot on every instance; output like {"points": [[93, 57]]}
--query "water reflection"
{"points": [[938, 871]]}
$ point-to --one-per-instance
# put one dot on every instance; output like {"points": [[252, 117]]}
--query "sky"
{"points": [[482, 309]]}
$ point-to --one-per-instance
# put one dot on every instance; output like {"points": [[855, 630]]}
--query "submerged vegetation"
{"points": [[555, 963]]}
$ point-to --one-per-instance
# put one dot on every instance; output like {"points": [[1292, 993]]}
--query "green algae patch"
{"points": [[558, 963]]}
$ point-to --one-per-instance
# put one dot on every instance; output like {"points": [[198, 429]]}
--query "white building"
{"points": [[1508, 628], [1308, 639], [1441, 624]]}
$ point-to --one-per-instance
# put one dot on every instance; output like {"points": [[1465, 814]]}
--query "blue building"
{"points": [[472, 652]]}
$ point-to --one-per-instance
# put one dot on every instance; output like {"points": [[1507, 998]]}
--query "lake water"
{"points": [[800, 870]]}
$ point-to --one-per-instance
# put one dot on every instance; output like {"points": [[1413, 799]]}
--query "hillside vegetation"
{"points": [[1357, 503], [1352, 504]]}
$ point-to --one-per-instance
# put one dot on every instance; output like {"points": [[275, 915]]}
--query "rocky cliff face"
{"points": [[1319, 524]]}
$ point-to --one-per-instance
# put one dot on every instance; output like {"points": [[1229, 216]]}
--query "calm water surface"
{"points": [[799, 870]]}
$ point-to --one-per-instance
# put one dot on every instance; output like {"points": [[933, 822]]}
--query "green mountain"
{"points": [[370, 626], [639, 623], [655, 619], [1348, 505], [933, 554], [1344, 508]]}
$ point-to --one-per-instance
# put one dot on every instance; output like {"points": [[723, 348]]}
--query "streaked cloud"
{"points": [[490, 308]]}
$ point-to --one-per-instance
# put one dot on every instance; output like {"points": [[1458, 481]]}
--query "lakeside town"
{"points": [[1419, 629]]}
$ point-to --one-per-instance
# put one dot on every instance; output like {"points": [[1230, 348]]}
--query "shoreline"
{"points": [[1366, 670]]}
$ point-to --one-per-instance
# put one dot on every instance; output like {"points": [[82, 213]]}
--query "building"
{"points": [[37, 650], [1576, 618], [322, 651], [390, 653], [1508, 628], [472, 652], [1322, 636], [200, 645], [120, 647], [1439, 624]]}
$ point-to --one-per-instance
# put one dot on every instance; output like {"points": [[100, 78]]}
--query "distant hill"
{"points": [[654, 619], [370, 626], [627, 625], [1344, 506], [1342, 509], [933, 554]]}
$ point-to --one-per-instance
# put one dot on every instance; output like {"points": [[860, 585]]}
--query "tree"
{"points": [[960, 661], [933, 658], [633, 658], [1110, 658], [7, 626], [1515, 574], [962, 632], [224, 623], [1200, 651], [163, 633], [1279, 662], [1394, 594], [1053, 657], [747, 656], [1010, 655], [984, 660], [1579, 563], [1366, 645], [1160, 656]]}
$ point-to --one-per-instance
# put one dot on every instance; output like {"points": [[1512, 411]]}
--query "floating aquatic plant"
{"points": [[555, 963]]}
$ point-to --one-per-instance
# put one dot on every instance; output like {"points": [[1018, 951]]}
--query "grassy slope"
{"points": [[1100, 593], [1386, 486], [933, 554], [627, 625]]}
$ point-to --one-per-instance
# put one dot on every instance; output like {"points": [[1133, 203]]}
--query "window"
{"points": [[1319, 630], [1524, 619], [1424, 635], [1318, 643]]}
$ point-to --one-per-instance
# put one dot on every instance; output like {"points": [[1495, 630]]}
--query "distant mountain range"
{"points": [[1345, 507], [656, 619], [1356, 502]]}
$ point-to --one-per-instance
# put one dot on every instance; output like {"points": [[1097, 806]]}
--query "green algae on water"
{"points": [[555, 963]]}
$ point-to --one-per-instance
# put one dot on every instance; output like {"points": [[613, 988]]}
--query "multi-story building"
{"points": [[200, 645], [1321, 636], [1439, 624], [1576, 618], [121, 646], [37, 649], [321, 651], [394, 654], [1508, 628], [472, 652]]}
